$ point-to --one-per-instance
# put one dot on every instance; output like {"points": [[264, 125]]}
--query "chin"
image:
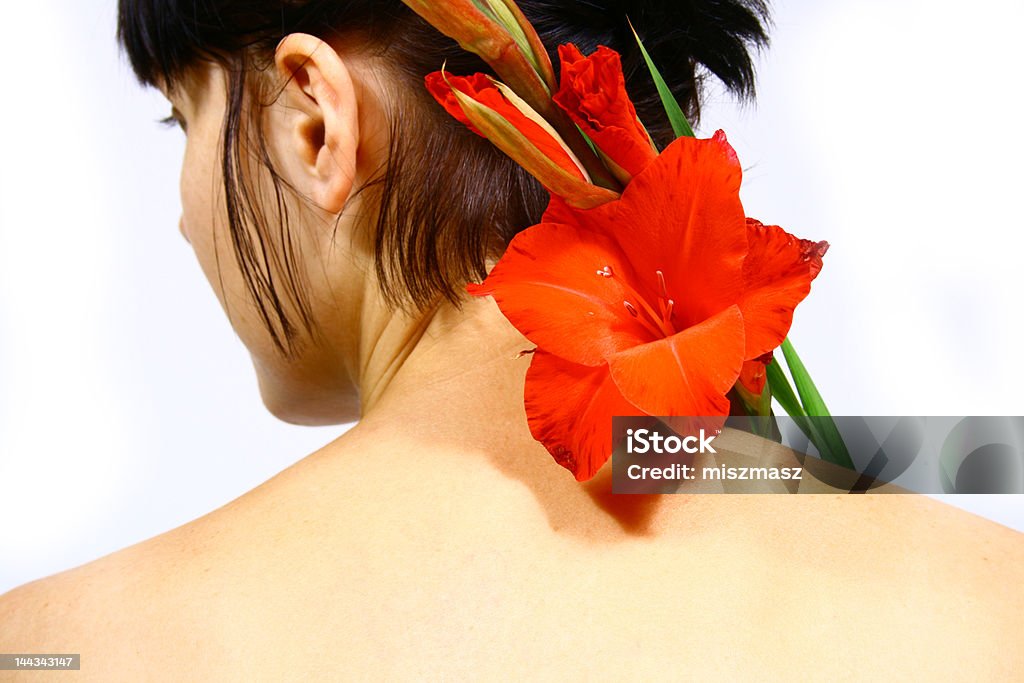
{"points": [[300, 404]]}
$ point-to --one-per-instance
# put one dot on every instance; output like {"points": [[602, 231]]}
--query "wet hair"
{"points": [[448, 200]]}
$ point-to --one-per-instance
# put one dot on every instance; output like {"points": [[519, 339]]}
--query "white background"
{"points": [[128, 406]]}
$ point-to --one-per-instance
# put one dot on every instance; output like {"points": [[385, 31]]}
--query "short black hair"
{"points": [[448, 199]]}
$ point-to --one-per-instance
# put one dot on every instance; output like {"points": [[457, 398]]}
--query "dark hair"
{"points": [[436, 226]]}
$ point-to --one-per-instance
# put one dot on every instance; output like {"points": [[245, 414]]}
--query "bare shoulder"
{"points": [[129, 613], [286, 568], [28, 612], [911, 536], [209, 596], [920, 577], [895, 522], [119, 612]]}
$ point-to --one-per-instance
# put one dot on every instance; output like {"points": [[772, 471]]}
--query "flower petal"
{"points": [[549, 287], [570, 408], [593, 93], [754, 375], [489, 35], [686, 374], [751, 394], [682, 215], [487, 92], [778, 273], [492, 110]]}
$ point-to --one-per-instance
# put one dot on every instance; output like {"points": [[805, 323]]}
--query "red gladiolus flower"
{"points": [[799, 262], [593, 93], [778, 268], [804, 263], [754, 375], [483, 89], [649, 304], [751, 395], [493, 111]]}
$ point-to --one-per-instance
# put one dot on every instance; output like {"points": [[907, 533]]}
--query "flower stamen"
{"points": [[659, 324]]}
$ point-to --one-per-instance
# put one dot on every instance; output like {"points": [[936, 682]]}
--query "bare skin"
{"points": [[436, 539]]}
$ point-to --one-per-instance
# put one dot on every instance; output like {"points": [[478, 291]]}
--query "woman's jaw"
{"points": [[326, 134]]}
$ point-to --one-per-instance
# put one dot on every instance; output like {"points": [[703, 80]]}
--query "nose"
{"points": [[181, 227]]}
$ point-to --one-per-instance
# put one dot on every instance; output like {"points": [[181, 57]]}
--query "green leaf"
{"points": [[823, 431], [812, 401], [680, 126], [782, 391]]}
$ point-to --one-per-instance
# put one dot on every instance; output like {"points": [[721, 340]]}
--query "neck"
{"points": [[451, 385], [446, 363]]}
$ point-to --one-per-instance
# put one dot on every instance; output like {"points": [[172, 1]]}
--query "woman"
{"points": [[337, 213]]}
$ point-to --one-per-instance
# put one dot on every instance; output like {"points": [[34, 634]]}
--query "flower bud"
{"points": [[493, 111]]}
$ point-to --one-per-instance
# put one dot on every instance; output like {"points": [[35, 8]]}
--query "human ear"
{"points": [[318, 127]]}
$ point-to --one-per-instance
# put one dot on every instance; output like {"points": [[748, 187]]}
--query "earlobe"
{"points": [[320, 136]]}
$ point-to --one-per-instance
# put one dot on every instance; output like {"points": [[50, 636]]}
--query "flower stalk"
{"points": [[498, 32], [494, 111]]}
